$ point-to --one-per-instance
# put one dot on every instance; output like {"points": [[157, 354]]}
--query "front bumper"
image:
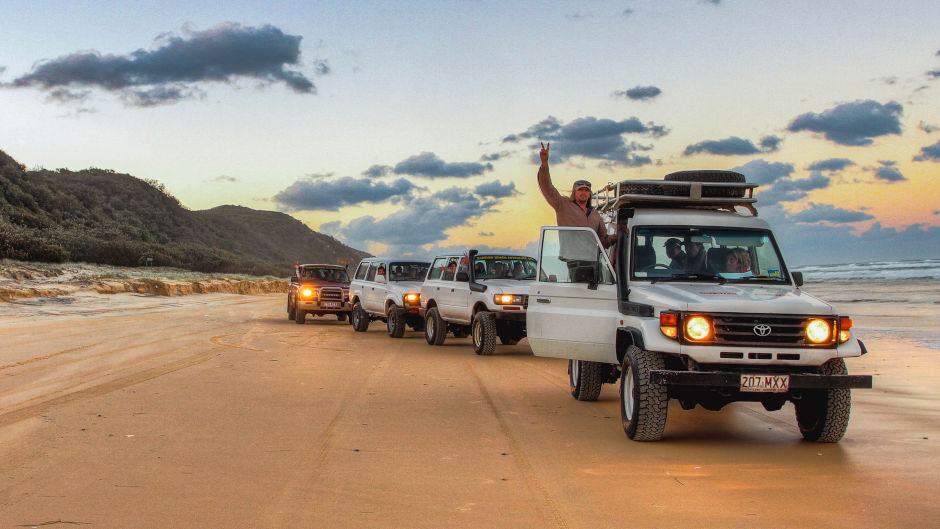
{"points": [[719, 379], [315, 305]]}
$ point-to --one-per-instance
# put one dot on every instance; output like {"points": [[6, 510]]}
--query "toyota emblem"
{"points": [[762, 329]]}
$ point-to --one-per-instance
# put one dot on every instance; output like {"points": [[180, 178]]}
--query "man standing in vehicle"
{"points": [[576, 210]]}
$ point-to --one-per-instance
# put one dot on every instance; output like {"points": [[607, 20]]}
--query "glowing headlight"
{"points": [[412, 298], [698, 328], [507, 299], [845, 329], [818, 331], [307, 292], [668, 322]]}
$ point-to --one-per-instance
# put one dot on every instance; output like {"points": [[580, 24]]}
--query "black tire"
{"points": [[585, 379], [435, 329], [508, 335], [395, 322], [341, 316], [823, 415], [300, 316], [291, 313], [483, 331], [643, 405], [460, 333], [730, 177], [359, 318]]}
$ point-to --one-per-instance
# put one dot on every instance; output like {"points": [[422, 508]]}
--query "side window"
{"points": [[437, 268], [370, 275], [361, 271], [573, 256]]}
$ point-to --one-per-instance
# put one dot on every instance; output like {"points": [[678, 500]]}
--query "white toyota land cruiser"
{"points": [[693, 303], [387, 290], [486, 300]]}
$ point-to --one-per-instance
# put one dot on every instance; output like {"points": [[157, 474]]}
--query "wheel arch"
{"points": [[627, 336]]}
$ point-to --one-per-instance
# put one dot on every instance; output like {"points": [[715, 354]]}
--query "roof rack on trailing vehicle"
{"points": [[692, 189]]}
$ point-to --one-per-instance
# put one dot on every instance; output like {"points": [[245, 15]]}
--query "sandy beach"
{"points": [[215, 410]]}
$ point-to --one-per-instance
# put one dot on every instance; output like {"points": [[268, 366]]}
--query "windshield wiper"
{"points": [[694, 275]]}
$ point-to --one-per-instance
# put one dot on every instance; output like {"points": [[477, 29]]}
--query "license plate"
{"points": [[329, 304], [765, 383]]}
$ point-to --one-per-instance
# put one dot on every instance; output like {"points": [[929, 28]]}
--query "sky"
{"points": [[407, 128]]}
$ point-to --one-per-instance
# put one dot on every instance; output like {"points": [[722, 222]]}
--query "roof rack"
{"points": [[675, 194]]}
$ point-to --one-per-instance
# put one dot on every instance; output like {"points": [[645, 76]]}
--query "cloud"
{"points": [[933, 74], [763, 172], [486, 234], [829, 213], [929, 153], [787, 190], [429, 165], [888, 172], [167, 73], [223, 179], [331, 195], [377, 171], [832, 164], [423, 222], [770, 143], [496, 189], [625, 13], [592, 138], [732, 146], [852, 124], [927, 127], [639, 93], [495, 156]]}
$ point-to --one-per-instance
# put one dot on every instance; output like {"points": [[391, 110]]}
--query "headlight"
{"points": [[507, 299], [818, 331], [412, 298], [308, 292], [698, 329]]}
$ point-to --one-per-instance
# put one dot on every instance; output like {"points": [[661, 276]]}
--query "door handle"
{"points": [[544, 300]]}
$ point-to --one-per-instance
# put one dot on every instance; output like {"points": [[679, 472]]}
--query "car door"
{"points": [[572, 310], [374, 290]]}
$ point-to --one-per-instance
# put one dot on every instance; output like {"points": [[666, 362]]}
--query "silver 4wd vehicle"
{"points": [[318, 289], [388, 290], [695, 304], [486, 300]]}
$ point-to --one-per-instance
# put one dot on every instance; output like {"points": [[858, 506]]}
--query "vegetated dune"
{"points": [[20, 280]]}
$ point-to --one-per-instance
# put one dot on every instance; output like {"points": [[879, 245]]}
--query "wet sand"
{"points": [[216, 411]]}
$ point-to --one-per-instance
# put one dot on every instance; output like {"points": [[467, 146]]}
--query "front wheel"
{"points": [[643, 405], [435, 329], [823, 415], [585, 379], [300, 315], [360, 320], [395, 322], [291, 311], [483, 331]]}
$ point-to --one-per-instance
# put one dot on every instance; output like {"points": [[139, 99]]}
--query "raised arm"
{"points": [[551, 194]]}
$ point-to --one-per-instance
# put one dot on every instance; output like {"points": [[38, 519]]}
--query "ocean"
{"points": [[886, 299]]}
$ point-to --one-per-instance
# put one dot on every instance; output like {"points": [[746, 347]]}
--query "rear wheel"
{"points": [[823, 415], [341, 316], [483, 331], [395, 322], [435, 329], [360, 319], [585, 379], [643, 405]]}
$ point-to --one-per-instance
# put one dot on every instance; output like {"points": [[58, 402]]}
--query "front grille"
{"points": [[331, 294], [764, 330]]}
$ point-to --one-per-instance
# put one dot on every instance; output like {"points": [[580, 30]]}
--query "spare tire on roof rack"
{"points": [[707, 175]]}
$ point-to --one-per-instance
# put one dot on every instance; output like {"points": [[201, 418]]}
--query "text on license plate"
{"points": [[766, 383], [329, 304]]}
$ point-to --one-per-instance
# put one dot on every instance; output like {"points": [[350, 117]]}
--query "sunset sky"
{"points": [[407, 127]]}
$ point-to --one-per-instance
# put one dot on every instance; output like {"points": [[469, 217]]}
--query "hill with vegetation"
{"points": [[99, 216]]}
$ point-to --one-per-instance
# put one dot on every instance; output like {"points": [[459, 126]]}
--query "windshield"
{"points": [[408, 271], [322, 273], [706, 254], [503, 267]]}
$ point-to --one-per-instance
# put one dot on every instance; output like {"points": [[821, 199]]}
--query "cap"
{"points": [[581, 183], [672, 242]]}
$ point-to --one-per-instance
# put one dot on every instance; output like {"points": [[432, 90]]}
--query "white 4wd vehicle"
{"points": [[486, 300], [722, 321], [387, 290]]}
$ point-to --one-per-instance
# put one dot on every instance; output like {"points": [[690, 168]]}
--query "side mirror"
{"points": [[797, 278]]}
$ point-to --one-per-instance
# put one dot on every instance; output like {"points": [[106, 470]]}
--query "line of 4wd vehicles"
{"points": [[664, 327]]}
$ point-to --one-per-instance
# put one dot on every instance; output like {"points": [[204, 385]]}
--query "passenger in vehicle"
{"points": [[479, 270], [517, 271], [738, 261], [695, 257], [674, 252]]}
